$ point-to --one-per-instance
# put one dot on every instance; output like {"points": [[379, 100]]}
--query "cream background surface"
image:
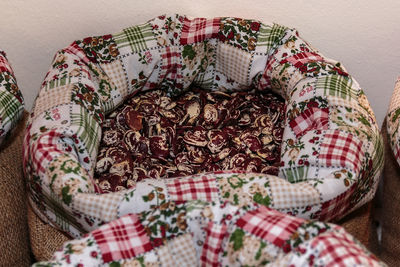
{"points": [[363, 35]]}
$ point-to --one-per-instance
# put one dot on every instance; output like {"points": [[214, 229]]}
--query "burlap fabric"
{"points": [[359, 223], [390, 207], [45, 240], [14, 245]]}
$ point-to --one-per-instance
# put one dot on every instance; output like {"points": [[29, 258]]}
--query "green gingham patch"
{"points": [[88, 129], [337, 85], [11, 100], [137, 38], [269, 36], [10, 109]]}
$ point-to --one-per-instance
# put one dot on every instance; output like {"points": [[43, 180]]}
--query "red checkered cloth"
{"points": [[300, 59], [45, 149], [337, 248], [199, 29], [215, 234], [4, 65], [170, 64], [269, 225], [310, 119], [75, 49], [202, 188], [341, 149], [122, 239], [265, 80], [336, 207]]}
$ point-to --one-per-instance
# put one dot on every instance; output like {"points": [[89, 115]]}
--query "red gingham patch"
{"points": [[337, 207], [338, 249], [265, 80], [122, 239], [269, 225], [341, 149], [202, 188], [215, 234], [4, 65], [45, 149], [76, 50], [170, 64], [311, 119], [300, 59], [199, 29]]}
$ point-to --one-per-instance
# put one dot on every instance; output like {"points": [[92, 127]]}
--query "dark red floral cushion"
{"points": [[155, 136]]}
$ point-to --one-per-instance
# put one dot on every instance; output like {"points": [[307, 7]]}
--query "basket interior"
{"points": [[156, 136]]}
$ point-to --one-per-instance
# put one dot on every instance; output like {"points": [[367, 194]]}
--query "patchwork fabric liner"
{"points": [[214, 235], [331, 143], [393, 121], [11, 100]]}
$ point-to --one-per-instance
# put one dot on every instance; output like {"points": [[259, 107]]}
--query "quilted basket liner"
{"points": [[393, 121], [196, 233], [331, 153], [11, 100]]}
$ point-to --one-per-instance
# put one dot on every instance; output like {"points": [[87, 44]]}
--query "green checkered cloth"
{"points": [[337, 85], [88, 129], [136, 37], [10, 109], [268, 36]]}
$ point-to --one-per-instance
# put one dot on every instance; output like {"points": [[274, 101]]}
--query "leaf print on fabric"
{"points": [[241, 190], [240, 33], [145, 58], [99, 49], [247, 250], [67, 178], [87, 97], [164, 222], [167, 29]]}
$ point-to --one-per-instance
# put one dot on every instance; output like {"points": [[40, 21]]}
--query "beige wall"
{"points": [[363, 35]]}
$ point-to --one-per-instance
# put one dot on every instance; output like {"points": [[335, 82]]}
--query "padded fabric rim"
{"points": [[393, 121], [206, 234], [331, 149], [11, 100]]}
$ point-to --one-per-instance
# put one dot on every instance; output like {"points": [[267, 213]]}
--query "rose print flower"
{"points": [[161, 41], [94, 41], [181, 221], [113, 50], [290, 44], [294, 153], [255, 26], [78, 248], [60, 58], [251, 43], [207, 212], [75, 72]]}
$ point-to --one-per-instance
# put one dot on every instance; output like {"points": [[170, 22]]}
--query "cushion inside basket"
{"points": [[155, 136]]}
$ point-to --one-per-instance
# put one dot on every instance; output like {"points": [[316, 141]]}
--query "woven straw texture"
{"points": [[13, 227]]}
